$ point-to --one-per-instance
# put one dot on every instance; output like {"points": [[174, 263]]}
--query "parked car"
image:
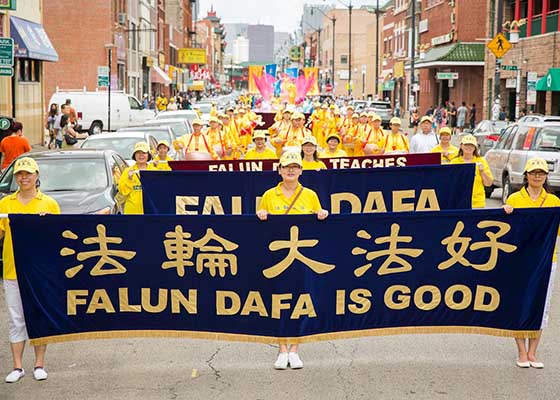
{"points": [[189, 115], [159, 132], [91, 108], [539, 118], [81, 181], [487, 133], [180, 126], [518, 143], [204, 109], [120, 142], [383, 109]]}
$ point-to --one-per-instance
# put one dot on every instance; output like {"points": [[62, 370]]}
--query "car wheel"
{"points": [[488, 190], [506, 189], [96, 128]]}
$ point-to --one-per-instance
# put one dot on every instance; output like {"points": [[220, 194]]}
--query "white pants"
{"points": [[16, 323], [544, 322]]}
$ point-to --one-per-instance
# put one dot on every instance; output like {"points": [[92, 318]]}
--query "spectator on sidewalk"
{"points": [[462, 116], [14, 145], [426, 139]]}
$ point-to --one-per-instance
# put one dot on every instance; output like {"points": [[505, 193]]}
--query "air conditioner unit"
{"points": [[122, 18]]}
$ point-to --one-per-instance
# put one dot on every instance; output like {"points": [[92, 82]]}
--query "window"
{"points": [[503, 138], [431, 3], [29, 70], [344, 59], [134, 105], [132, 36], [509, 139], [521, 137]]}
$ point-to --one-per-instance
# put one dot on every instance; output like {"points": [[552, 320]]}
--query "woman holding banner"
{"points": [[535, 193], [468, 153], [447, 150], [332, 150], [27, 200], [130, 186], [290, 197], [309, 154]]}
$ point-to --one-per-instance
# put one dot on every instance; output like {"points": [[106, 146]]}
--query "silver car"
{"points": [[518, 143]]}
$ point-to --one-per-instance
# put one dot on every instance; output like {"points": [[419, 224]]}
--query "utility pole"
{"points": [[413, 54], [333, 47], [499, 21], [375, 82]]}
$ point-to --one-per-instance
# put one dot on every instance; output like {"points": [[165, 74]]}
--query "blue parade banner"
{"points": [[422, 188], [289, 279]]}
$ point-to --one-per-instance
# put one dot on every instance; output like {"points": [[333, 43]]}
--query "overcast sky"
{"points": [[285, 15]]}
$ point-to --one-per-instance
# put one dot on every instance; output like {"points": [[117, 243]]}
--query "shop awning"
{"points": [[550, 82], [158, 76], [455, 54], [31, 40], [197, 86]]}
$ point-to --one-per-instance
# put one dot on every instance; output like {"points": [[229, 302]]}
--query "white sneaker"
{"points": [[15, 375], [281, 361], [40, 374], [295, 361]]}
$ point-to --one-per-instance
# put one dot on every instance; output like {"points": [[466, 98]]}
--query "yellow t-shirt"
{"points": [[313, 165], [452, 152], [11, 205], [336, 154], [162, 165], [395, 142], [275, 202], [478, 194], [131, 189], [267, 154], [521, 199]]}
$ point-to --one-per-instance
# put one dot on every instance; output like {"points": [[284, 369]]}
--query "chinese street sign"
{"points": [[191, 56], [499, 45]]}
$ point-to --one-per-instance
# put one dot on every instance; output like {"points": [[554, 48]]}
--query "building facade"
{"points": [[535, 55], [261, 43], [21, 96], [211, 36]]}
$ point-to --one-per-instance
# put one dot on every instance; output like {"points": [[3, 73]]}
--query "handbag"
{"points": [[69, 139]]}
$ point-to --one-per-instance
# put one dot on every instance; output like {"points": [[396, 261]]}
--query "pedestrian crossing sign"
{"points": [[499, 45]]}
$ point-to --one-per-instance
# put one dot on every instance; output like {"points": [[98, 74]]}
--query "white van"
{"points": [[92, 109]]}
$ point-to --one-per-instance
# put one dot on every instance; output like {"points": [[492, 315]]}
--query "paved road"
{"points": [[393, 367]]}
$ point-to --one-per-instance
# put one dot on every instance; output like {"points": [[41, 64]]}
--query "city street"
{"points": [[389, 367]]}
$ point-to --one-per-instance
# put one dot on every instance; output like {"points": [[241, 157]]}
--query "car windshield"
{"points": [[381, 106], [547, 139], [171, 114], [180, 128], [497, 126], [59, 175], [204, 107], [162, 134], [122, 145]]}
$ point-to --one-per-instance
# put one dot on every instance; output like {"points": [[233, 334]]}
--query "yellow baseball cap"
{"points": [[376, 117], [324, 106], [445, 131], [350, 107], [395, 120], [534, 164], [164, 142], [197, 122], [364, 114], [214, 119], [141, 146], [333, 135], [26, 164], [426, 118], [230, 109], [469, 139], [287, 110], [259, 134], [355, 115], [309, 139], [291, 157], [298, 115]]}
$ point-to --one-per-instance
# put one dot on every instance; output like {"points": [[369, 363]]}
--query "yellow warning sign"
{"points": [[499, 45]]}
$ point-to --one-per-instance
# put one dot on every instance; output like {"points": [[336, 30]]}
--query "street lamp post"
{"points": [[109, 47], [376, 84], [350, 49], [413, 55]]}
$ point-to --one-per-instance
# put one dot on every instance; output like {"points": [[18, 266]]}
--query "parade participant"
{"points": [[28, 199], [197, 142], [221, 143], [364, 130], [375, 139], [14, 145], [347, 121], [260, 151], [309, 154], [281, 125], [231, 133], [161, 103], [172, 106], [129, 183], [245, 129], [161, 160], [317, 119], [447, 150], [350, 135], [535, 193], [213, 110], [468, 153], [290, 197], [293, 136], [395, 141], [332, 150], [426, 139]]}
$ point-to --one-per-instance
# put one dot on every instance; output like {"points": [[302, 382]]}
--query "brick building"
{"points": [[450, 59], [210, 35], [537, 53]]}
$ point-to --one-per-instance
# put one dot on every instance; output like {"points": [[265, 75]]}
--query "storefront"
{"points": [[549, 85], [32, 47]]}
